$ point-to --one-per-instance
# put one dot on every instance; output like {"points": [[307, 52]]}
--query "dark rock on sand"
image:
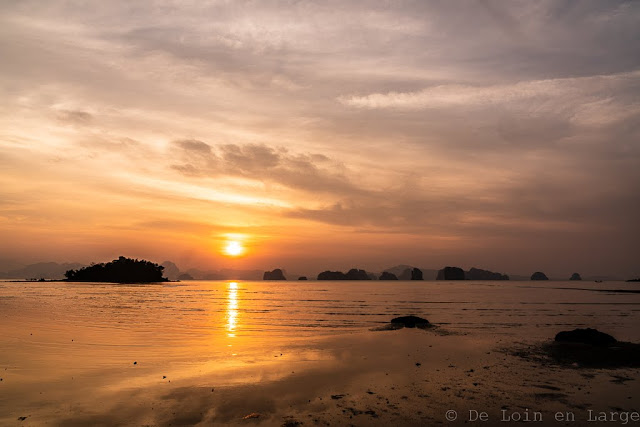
{"points": [[451, 273], [302, 278], [584, 348], [634, 280], [387, 276], [616, 355], [276, 274], [586, 336], [539, 275], [416, 274], [575, 276], [410, 322]]}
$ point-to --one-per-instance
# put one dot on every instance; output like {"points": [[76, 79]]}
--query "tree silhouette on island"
{"points": [[121, 270]]}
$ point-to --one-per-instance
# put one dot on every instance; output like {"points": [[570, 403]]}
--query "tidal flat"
{"points": [[315, 353]]}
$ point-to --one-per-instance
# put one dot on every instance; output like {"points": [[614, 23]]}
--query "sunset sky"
{"points": [[322, 135]]}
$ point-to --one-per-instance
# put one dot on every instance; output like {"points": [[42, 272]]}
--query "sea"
{"points": [[98, 319]]}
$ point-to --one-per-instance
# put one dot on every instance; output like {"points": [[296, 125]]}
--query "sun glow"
{"points": [[233, 248]]}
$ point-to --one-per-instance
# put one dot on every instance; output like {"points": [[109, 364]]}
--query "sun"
{"points": [[233, 248]]}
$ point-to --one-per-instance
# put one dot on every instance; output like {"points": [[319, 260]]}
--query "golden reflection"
{"points": [[232, 308]]}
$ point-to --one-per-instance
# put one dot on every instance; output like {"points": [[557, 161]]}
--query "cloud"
{"points": [[193, 145], [307, 172], [535, 95], [75, 117]]}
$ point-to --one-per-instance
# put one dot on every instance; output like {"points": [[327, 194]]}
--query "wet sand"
{"points": [[407, 377]]}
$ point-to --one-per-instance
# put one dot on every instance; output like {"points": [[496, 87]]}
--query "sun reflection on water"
{"points": [[232, 308]]}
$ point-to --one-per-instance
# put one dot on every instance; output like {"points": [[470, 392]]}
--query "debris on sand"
{"points": [[291, 422], [251, 416]]}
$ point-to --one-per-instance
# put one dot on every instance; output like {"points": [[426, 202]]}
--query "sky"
{"points": [[322, 134]]}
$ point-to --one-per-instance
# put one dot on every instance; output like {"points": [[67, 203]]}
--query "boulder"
{"points": [[302, 278], [584, 348], [539, 275], [387, 276], [575, 276], [276, 274], [410, 321], [586, 336], [416, 274], [451, 273]]}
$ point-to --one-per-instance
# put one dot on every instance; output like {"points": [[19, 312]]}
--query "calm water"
{"points": [[102, 318]]}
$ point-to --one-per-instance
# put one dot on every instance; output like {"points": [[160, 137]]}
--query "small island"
{"points": [[451, 273], [276, 274], [539, 275], [353, 274], [121, 270], [480, 274]]}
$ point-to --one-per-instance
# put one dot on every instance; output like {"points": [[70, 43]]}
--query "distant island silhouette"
{"points": [[121, 270], [457, 273], [539, 275], [276, 274], [46, 271], [353, 274], [450, 273]]}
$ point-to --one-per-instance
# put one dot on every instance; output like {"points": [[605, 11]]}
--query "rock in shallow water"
{"points": [[411, 321], [586, 336]]}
